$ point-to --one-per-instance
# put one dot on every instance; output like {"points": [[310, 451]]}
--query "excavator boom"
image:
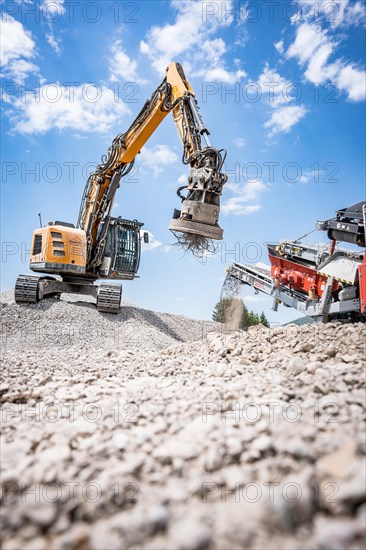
{"points": [[200, 212]]}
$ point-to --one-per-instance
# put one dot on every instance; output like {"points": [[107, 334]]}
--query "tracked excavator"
{"points": [[323, 281], [71, 259]]}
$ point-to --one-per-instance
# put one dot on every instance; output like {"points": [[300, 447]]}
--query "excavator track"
{"points": [[27, 289], [109, 298]]}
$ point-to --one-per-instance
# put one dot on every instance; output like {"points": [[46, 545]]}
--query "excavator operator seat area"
{"points": [[122, 249]]}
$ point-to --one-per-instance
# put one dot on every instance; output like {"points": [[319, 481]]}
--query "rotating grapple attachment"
{"points": [[199, 214], [195, 219]]}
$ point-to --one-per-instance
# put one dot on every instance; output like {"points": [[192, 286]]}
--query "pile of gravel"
{"points": [[236, 440], [74, 322]]}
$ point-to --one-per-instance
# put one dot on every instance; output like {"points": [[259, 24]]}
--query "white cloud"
{"points": [[17, 48], [239, 142], [279, 94], [121, 66], [284, 118], [343, 13], [53, 10], [244, 194], [156, 158], [53, 42], [318, 70], [189, 39], [20, 69], [209, 59], [355, 14], [219, 74], [307, 176], [53, 7], [273, 86], [313, 48], [279, 46], [353, 81], [307, 41], [62, 108], [312, 176], [165, 43], [235, 206], [212, 50], [153, 243]]}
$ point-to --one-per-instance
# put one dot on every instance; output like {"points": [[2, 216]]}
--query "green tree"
{"points": [[247, 319], [231, 308], [252, 319], [220, 311], [263, 319]]}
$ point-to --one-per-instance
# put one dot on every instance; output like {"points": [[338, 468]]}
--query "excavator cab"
{"points": [[122, 250]]}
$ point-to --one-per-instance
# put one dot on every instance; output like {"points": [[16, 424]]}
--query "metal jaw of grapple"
{"points": [[199, 214]]}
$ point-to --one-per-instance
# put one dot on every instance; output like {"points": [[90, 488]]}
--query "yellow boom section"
{"points": [[138, 136], [126, 146]]}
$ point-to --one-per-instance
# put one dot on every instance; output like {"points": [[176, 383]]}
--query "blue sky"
{"points": [[281, 86]]}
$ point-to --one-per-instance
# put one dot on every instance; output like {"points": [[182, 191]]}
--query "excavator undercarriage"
{"points": [[32, 289]]}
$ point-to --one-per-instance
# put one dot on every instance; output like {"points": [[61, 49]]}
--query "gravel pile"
{"points": [[236, 440], [74, 322]]}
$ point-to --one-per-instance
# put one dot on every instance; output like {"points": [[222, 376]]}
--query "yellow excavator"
{"points": [[104, 247]]}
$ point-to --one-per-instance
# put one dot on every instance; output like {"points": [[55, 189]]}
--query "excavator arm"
{"points": [[197, 220]]}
